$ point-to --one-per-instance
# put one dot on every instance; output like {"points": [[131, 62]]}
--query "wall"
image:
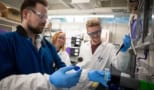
{"points": [[118, 30]]}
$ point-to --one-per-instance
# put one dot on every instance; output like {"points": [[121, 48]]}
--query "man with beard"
{"points": [[19, 54]]}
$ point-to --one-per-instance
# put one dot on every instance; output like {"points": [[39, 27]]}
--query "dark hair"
{"points": [[31, 4]]}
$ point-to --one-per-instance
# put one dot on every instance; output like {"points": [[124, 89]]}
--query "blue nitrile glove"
{"points": [[126, 43], [61, 79], [99, 76]]}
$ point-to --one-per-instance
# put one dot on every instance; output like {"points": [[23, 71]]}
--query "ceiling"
{"points": [[78, 7]]}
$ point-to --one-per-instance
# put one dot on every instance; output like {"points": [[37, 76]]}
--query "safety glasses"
{"points": [[41, 16], [62, 38], [91, 34]]}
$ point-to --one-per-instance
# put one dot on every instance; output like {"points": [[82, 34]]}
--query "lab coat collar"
{"points": [[21, 31]]}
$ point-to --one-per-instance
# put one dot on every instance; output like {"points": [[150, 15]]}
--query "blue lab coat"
{"points": [[19, 56]]}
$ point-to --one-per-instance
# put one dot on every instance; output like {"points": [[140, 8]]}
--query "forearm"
{"points": [[121, 61], [34, 81]]}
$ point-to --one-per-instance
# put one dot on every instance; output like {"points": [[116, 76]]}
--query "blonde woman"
{"points": [[58, 40]]}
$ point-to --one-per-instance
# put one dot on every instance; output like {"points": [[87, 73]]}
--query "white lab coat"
{"points": [[102, 58], [35, 81], [65, 57]]}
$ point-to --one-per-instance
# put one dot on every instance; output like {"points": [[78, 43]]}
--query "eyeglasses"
{"points": [[94, 33], [62, 38], [41, 16]]}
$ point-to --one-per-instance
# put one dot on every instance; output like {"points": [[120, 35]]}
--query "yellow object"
{"points": [[95, 84]]}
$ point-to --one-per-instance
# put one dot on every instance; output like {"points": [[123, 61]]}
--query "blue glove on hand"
{"points": [[126, 43], [61, 79], [99, 76]]}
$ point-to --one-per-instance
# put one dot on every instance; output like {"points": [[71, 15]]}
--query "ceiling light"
{"points": [[78, 16]]}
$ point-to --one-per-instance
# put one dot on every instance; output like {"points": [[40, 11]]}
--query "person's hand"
{"points": [[62, 79], [126, 43], [99, 76]]}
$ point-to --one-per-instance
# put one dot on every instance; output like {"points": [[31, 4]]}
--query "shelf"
{"points": [[143, 45], [5, 21], [148, 41]]}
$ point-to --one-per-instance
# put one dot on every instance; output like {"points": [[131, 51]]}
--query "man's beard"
{"points": [[35, 30]]}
